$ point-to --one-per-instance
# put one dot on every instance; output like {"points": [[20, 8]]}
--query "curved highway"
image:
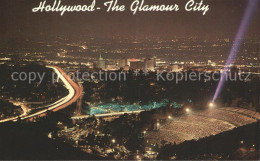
{"points": [[74, 93]]}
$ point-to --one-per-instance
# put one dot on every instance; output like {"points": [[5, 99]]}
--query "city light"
{"points": [[242, 142], [211, 105], [113, 141], [158, 125], [169, 117], [187, 110]]}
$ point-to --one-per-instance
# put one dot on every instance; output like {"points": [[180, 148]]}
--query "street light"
{"points": [[211, 105], [138, 157], [187, 110], [158, 126], [169, 117], [113, 141]]}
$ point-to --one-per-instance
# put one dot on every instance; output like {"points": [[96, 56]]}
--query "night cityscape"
{"points": [[116, 86]]}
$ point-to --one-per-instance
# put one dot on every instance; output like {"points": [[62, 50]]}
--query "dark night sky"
{"points": [[223, 18]]}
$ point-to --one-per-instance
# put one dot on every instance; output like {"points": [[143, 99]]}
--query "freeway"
{"points": [[74, 93]]}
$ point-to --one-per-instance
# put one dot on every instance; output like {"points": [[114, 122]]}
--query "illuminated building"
{"points": [[101, 63], [137, 65], [121, 63], [150, 64]]}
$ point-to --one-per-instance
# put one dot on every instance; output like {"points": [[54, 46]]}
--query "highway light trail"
{"points": [[248, 14], [74, 93]]}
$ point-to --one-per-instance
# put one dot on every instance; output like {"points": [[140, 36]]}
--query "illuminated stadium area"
{"points": [[200, 124], [119, 107]]}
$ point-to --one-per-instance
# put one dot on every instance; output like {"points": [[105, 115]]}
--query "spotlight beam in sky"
{"points": [[248, 14]]}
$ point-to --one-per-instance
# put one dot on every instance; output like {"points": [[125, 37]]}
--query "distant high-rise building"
{"points": [[128, 61], [150, 64], [121, 63], [101, 63], [137, 65]]}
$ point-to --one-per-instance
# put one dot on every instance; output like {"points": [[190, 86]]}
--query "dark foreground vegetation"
{"points": [[7, 109], [28, 140]]}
